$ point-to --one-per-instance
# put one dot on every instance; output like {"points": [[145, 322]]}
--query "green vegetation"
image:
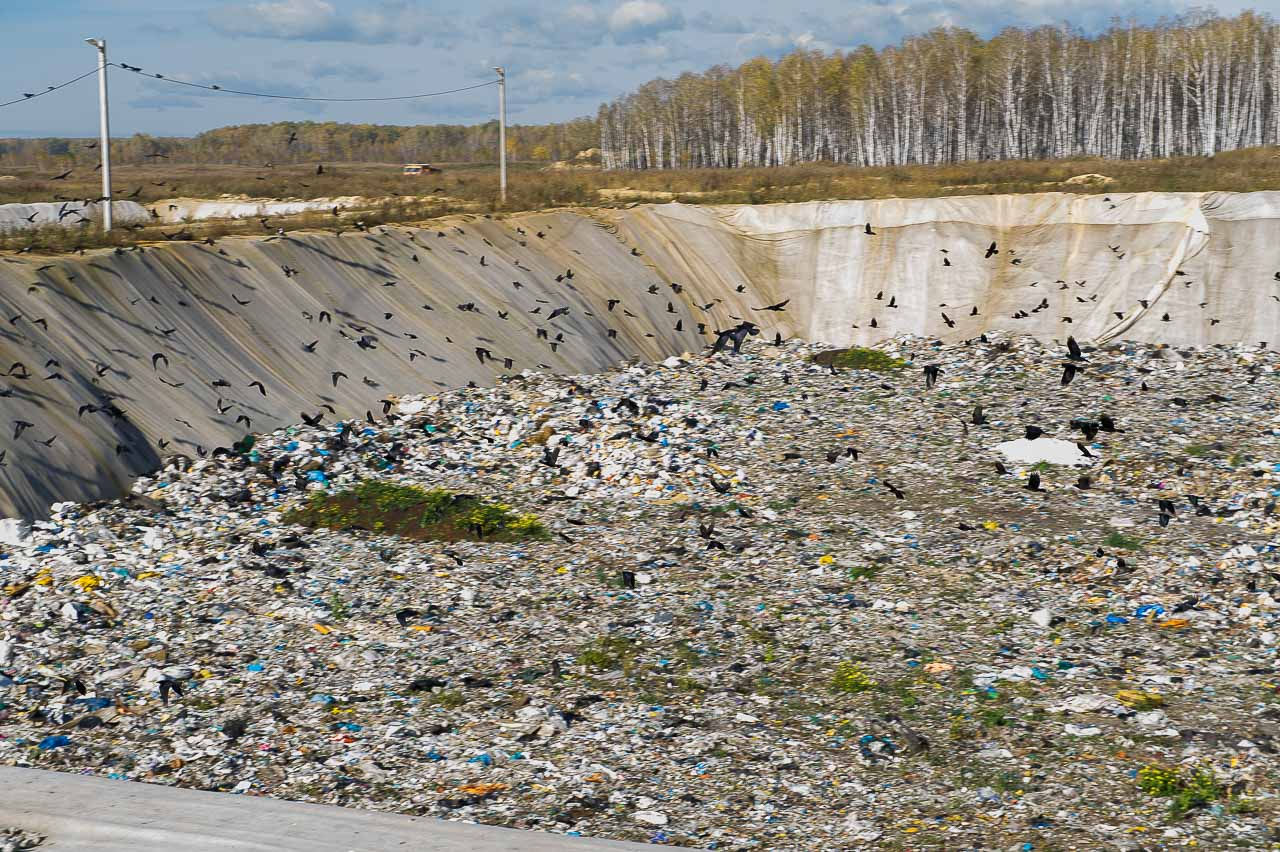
{"points": [[338, 609], [1121, 541], [858, 358], [850, 678], [1186, 789], [413, 512], [609, 653], [863, 572], [449, 699]]}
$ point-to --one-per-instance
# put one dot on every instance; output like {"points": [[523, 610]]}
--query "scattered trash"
{"points": [[717, 616]]}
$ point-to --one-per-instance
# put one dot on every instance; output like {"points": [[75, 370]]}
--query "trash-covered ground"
{"points": [[779, 605]]}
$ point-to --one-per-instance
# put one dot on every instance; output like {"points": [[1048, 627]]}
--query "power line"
{"points": [[31, 97], [212, 88]]}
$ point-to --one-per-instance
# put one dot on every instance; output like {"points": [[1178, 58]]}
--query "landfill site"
{"points": [[901, 524]]}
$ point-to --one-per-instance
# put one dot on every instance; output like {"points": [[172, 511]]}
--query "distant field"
{"points": [[473, 187], [158, 181]]}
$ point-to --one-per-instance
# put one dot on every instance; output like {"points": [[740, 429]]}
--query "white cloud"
{"points": [[392, 21], [573, 26], [775, 44], [641, 20], [883, 22], [540, 84]]}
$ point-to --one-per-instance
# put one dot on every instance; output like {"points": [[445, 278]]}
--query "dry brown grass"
{"points": [[473, 187]]}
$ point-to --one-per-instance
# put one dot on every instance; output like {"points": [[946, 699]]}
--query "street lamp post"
{"points": [[105, 122], [502, 134]]}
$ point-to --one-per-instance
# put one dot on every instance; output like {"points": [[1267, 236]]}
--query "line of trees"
{"points": [[1195, 85], [254, 144]]}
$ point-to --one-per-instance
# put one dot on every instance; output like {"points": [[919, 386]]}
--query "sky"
{"points": [[563, 57]]}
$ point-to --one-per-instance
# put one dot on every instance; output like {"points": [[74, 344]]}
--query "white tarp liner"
{"points": [[168, 211], [14, 217], [174, 210], [817, 253]]}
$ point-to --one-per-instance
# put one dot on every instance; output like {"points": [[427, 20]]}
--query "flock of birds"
{"points": [[993, 249], [364, 336], [103, 392]]}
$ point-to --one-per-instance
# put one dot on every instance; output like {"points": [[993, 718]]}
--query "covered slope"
{"points": [[236, 312], [86, 331], [1088, 256]]}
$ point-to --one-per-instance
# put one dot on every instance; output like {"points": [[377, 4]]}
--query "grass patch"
{"points": [[1120, 541], [863, 572], [419, 513], [850, 678], [858, 358], [449, 699], [609, 653], [1186, 789]]}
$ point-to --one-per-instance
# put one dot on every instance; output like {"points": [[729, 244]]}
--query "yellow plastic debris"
{"points": [[1136, 698], [482, 789]]}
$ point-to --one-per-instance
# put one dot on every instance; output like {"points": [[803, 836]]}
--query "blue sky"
{"points": [[563, 58]]}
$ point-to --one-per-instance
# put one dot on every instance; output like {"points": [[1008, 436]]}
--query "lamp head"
{"points": [[95, 42]]}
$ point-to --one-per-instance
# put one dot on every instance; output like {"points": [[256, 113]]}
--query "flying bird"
{"points": [[931, 373], [780, 306], [1073, 350]]}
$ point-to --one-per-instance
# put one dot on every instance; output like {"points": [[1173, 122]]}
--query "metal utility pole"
{"points": [[502, 134], [105, 142]]}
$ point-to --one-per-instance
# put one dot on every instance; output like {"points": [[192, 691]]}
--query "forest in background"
{"points": [[255, 144], [1194, 86], [1197, 85]]}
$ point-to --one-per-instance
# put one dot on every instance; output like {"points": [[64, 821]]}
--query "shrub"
{"points": [[1186, 789], [414, 512], [608, 653], [1121, 541], [858, 358], [850, 678]]}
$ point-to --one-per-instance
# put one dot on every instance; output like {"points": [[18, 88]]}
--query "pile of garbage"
{"points": [[773, 602]]}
